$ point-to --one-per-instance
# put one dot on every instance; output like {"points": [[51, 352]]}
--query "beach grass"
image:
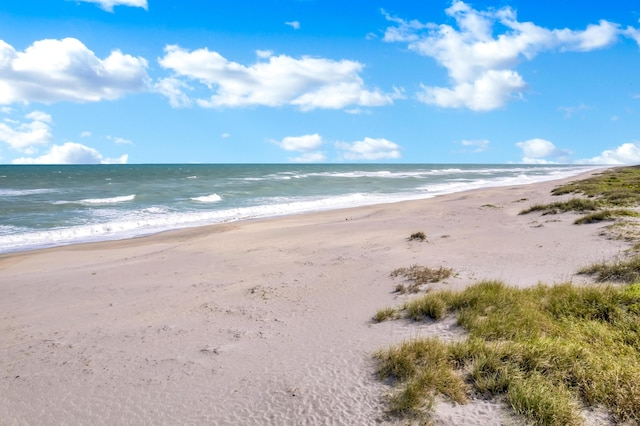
{"points": [[574, 204], [547, 350], [623, 271], [618, 187], [607, 214], [614, 188], [420, 236], [418, 276]]}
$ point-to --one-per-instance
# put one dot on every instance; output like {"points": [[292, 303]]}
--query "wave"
{"points": [[111, 200], [21, 192], [213, 198], [131, 220]]}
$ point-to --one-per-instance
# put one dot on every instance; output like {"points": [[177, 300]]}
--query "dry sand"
{"points": [[261, 322]]}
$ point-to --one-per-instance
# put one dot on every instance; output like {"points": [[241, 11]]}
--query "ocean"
{"points": [[52, 205]]}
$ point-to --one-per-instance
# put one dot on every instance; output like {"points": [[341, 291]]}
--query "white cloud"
{"points": [[173, 89], [119, 141], [307, 83], [307, 144], [538, 151], [633, 33], [627, 153], [293, 24], [593, 37], [478, 145], [85, 134], [225, 135], [490, 91], [369, 149], [301, 143], [26, 136], [264, 54], [71, 153], [108, 5], [66, 70], [480, 62]]}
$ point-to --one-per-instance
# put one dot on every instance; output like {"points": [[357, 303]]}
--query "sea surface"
{"points": [[46, 206]]}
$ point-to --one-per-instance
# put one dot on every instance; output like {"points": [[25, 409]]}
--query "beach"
{"points": [[261, 322]]}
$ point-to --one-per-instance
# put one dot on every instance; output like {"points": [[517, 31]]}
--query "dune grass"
{"points": [[418, 276], [574, 204], [623, 271], [610, 196], [607, 214], [548, 350], [617, 187]]}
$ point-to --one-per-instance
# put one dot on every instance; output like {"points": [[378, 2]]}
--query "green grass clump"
{"points": [[618, 187], [384, 314], [547, 350], [608, 214], [420, 275], [425, 369], [573, 205], [624, 271]]}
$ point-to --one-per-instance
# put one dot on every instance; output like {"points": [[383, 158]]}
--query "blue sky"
{"points": [[276, 81]]}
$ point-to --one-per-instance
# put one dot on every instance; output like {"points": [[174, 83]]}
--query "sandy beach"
{"points": [[261, 322]]}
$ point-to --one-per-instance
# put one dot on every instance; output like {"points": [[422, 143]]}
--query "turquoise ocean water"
{"points": [[45, 206]]}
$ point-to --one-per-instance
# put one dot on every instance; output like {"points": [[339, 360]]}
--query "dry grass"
{"points": [[419, 276], [420, 236]]}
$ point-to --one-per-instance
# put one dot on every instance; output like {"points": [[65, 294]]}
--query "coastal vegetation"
{"points": [[417, 276], [548, 350], [420, 236], [622, 271], [609, 195]]}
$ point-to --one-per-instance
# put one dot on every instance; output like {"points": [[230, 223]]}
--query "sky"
{"points": [[319, 81]]}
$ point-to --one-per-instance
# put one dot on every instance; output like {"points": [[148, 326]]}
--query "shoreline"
{"points": [[265, 321], [115, 229]]}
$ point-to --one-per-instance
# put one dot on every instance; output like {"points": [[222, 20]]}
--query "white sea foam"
{"points": [[213, 198], [126, 216], [110, 200], [22, 192]]}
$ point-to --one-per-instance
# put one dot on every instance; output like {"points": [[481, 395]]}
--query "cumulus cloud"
{"points": [[369, 149], [26, 136], [307, 83], [490, 91], [307, 144], [301, 143], [174, 90], [480, 61], [66, 70], [71, 153], [108, 5], [541, 151], [627, 153]]}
